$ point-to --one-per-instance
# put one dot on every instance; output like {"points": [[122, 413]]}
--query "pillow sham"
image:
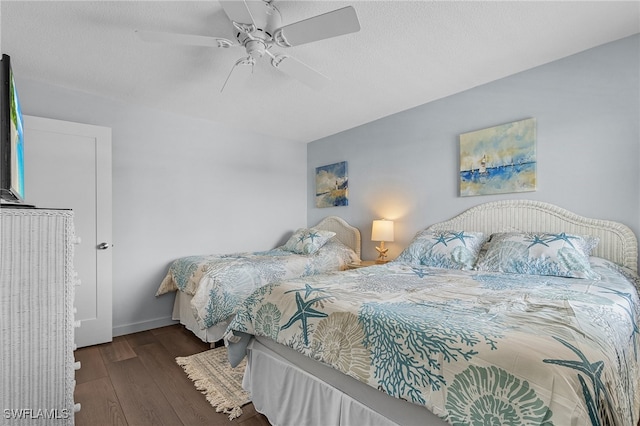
{"points": [[307, 240], [444, 249], [556, 254]]}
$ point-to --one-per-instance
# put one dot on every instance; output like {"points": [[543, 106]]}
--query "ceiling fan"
{"points": [[259, 28]]}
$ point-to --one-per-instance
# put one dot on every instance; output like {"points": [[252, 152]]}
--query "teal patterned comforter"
{"points": [[218, 283], [472, 347]]}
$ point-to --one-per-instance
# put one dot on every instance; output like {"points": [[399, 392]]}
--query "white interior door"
{"points": [[68, 165]]}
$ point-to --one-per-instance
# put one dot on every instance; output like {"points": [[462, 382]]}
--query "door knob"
{"points": [[103, 246]]}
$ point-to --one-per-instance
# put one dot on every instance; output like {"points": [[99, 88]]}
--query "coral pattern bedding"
{"points": [[218, 283], [474, 347]]}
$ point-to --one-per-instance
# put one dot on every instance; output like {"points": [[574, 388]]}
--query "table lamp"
{"points": [[382, 230]]}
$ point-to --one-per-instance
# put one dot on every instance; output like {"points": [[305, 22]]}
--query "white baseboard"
{"points": [[142, 326]]}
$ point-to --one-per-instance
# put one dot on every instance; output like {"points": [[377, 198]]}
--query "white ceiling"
{"points": [[406, 54]]}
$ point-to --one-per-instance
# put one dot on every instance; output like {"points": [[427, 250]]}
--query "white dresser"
{"points": [[37, 367]]}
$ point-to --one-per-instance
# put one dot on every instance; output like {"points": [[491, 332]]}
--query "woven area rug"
{"points": [[212, 375]]}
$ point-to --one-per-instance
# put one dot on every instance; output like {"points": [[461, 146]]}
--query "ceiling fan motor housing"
{"points": [[267, 19]]}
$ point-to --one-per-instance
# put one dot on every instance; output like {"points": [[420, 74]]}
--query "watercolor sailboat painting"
{"points": [[499, 159]]}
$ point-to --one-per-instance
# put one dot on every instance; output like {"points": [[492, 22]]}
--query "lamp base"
{"points": [[382, 253], [381, 261]]}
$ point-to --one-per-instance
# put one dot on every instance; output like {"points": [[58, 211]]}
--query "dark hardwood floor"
{"points": [[135, 381]]}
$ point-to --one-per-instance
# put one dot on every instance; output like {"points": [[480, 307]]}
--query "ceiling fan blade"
{"points": [[240, 72], [330, 24], [184, 39], [237, 11], [299, 71]]}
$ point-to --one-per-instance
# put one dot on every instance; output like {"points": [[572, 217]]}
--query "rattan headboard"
{"points": [[617, 243], [346, 233]]}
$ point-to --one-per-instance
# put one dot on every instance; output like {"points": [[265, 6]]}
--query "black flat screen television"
{"points": [[11, 137]]}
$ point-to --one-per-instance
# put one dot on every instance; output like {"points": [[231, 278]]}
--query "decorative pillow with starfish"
{"points": [[307, 240], [444, 249], [557, 254]]}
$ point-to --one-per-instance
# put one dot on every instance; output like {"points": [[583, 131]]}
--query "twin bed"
{"points": [[513, 312], [209, 287]]}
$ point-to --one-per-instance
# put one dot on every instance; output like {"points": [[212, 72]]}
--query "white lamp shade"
{"points": [[382, 230]]}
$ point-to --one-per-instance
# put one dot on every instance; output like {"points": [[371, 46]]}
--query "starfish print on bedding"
{"points": [[305, 311], [599, 402], [307, 290], [562, 236], [313, 235], [459, 236], [536, 239], [440, 239], [420, 272]]}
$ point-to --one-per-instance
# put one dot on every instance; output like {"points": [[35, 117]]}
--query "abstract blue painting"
{"points": [[332, 185], [499, 159]]}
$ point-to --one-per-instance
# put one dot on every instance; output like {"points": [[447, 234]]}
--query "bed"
{"points": [[531, 333], [209, 287]]}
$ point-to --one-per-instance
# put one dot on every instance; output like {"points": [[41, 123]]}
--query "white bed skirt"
{"points": [[183, 313], [318, 394]]}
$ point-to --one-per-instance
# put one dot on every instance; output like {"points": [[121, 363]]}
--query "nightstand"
{"points": [[362, 264]]}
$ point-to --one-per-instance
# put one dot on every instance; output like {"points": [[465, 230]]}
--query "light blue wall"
{"points": [[405, 166], [181, 187]]}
